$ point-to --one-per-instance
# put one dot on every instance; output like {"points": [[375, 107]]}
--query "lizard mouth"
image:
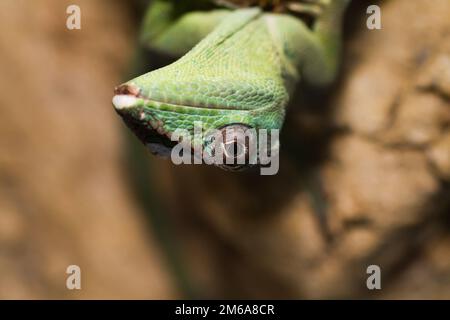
{"points": [[149, 133], [128, 96], [158, 143]]}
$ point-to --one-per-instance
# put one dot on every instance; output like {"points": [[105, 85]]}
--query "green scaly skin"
{"points": [[242, 71]]}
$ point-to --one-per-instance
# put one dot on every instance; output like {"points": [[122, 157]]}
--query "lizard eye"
{"points": [[234, 150], [236, 146]]}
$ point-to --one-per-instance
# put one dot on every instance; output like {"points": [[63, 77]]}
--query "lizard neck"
{"points": [[252, 48]]}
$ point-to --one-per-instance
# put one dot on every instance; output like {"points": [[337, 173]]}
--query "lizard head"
{"points": [[154, 111], [231, 83]]}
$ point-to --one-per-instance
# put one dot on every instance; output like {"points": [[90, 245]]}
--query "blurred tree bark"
{"points": [[377, 149], [63, 193]]}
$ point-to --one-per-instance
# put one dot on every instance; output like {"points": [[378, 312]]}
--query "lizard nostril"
{"points": [[125, 96], [127, 89]]}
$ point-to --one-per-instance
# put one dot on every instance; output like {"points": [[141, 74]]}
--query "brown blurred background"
{"points": [[74, 189]]}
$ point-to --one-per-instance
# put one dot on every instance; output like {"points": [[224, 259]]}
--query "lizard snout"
{"points": [[125, 96]]}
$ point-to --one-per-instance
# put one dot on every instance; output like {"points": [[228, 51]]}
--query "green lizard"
{"points": [[239, 66]]}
